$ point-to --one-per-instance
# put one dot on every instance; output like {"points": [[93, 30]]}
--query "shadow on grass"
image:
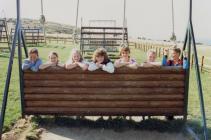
{"points": [[118, 124], [197, 128]]}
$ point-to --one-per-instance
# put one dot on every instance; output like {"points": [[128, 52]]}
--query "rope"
{"points": [[42, 7], [42, 17], [173, 16], [43, 20], [123, 28], [173, 37], [76, 23]]}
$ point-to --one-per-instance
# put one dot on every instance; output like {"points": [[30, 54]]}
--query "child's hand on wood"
{"points": [[53, 64], [76, 64], [99, 65]]}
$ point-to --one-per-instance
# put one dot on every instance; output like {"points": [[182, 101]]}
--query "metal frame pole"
{"points": [[24, 44], [20, 41], [199, 84], [200, 91], [9, 70], [187, 73]]}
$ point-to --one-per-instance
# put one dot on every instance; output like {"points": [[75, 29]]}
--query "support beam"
{"points": [[199, 84], [191, 43], [9, 70]]}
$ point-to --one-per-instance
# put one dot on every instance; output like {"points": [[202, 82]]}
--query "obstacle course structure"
{"points": [[4, 37], [33, 36], [109, 38]]}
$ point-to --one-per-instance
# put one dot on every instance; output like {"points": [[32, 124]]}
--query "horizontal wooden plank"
{"points": [[103, 91], [104, 111], [107, 28], [103, 84], [101, 33], [105, 104], [105, 77], [79, 97], [123, 70]]}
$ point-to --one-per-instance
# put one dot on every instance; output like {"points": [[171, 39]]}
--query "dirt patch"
{"points": [[23, 129], [65, 133], [16, 130]]}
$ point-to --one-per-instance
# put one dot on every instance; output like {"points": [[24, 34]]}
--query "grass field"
{"points": [[13, 108]]}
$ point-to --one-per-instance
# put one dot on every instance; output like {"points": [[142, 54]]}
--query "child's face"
{"points": [[175, 55], [100, 59], [33, 57], [53, 58], [125, 54], [151, 57], [76, 57]]}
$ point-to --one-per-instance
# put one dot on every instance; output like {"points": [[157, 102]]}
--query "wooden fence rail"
{"points": [[58, 39]]}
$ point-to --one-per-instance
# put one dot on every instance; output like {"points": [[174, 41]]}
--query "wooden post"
{"points": [[192, 61], [38, 37], [57, 39], [156, 50], [202, 63], [159, 50], [163, 52]]}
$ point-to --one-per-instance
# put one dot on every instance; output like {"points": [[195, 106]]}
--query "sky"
{"points": [[145, 18]]}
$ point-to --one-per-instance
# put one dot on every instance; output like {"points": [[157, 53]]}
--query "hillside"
{"points": [[51, 27]]}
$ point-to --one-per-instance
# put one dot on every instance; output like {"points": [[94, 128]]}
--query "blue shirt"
{"points": [[34, 66]]}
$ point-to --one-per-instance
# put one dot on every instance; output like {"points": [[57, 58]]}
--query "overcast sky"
{"points": [[149, 18]]}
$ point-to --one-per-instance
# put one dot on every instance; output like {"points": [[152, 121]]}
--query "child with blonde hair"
{"points": [[53, 60], [151, 59], [125, 60], [76, 60], [100, 60]]}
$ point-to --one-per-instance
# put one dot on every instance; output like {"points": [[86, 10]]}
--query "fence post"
{"points": [[202, 63], [57, 39], [192, 61], [163, 52], [156, 50], [159, 51]]}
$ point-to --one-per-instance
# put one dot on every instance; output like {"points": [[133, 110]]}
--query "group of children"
{"points": [[100, 60]]}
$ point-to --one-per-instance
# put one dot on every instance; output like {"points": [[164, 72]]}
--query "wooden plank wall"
{"points": [[145, 91]]}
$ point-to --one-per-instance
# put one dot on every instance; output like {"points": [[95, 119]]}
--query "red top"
{"points": [[172, 63]]}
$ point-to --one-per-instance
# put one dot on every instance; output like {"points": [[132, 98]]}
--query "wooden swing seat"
{"points": [[156, 91]]}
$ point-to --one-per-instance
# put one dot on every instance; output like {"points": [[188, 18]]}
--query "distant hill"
{"points": [[51, 27]]}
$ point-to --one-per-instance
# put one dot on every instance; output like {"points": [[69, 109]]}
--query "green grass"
{"points": [[13, 108]]}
